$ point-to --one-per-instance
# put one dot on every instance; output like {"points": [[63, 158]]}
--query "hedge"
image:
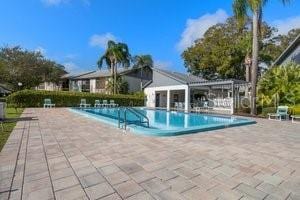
{"points": [[34, 98]]}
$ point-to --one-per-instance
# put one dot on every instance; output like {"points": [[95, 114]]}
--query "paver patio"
{"points": [[62, 155]]}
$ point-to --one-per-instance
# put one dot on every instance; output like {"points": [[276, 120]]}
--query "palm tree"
{"points": [[241, 9], [116, 55], [142, 61]]}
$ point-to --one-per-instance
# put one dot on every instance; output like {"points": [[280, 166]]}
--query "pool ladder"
{"points": [[137, 113]]}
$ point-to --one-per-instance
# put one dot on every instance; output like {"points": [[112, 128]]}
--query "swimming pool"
{"points": [[161, 122]]}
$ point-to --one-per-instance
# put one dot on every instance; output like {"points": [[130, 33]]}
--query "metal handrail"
{"points": [[133, 111], [140, 114]]}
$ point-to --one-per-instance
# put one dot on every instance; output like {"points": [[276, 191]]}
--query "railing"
{"points": [[138, 114]]}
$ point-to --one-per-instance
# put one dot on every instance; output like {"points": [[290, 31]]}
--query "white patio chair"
{"points": [[104, 103], [97, 104], [176, 105], [83, 104], [112, 103], [48, 103], [180, 105]]}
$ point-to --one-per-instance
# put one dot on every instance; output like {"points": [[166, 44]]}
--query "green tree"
{"points": [[284, 41], [280, 84], [27, 67], [116, 55], [241, 9], [223, 49]]}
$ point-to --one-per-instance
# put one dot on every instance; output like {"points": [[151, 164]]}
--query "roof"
{"points": [[76, 75], [287, 51], [220, 82], [181, 77], [4, 89], [103, 73]]}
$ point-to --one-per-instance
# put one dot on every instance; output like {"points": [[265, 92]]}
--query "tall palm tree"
{"points": [[241, 10], [116, 55]]}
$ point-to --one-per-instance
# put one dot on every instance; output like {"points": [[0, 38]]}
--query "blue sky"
{"points": [[74, 32]]}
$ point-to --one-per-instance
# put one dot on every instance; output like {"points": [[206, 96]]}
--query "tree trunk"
{"points": [[112, 68], [115, 78], [247, 67], [254, 66]]}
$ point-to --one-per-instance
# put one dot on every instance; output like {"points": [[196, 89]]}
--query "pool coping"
{"points": [[139, 130]]}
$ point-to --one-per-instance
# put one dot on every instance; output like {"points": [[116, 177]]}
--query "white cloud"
{"points": [[71, 67], [41, 50], [71, 56], [195, 28], [101, 40], [285, 25], [59, 2], [54, 2], [162, 64]]}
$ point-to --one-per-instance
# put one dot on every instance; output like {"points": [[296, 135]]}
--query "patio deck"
{"points": [[61, 155]]}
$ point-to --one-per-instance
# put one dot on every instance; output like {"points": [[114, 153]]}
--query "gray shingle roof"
{"points": [[181, 77], [102, 73], [287, 51]]}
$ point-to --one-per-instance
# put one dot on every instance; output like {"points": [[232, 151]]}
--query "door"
{"points": [[157, 98]]}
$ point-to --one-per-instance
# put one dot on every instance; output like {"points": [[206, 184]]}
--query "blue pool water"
{"points": [[163, 123]]}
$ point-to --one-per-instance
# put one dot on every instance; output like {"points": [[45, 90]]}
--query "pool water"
{"points": [[163, 123]]}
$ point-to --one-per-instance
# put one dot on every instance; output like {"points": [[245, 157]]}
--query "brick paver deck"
{"points": [[61, 155]]}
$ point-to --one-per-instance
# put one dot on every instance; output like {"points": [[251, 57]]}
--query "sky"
{"points": [[74, 32]]}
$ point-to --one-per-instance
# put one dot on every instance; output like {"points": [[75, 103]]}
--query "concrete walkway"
{"points": [[61, 155]]}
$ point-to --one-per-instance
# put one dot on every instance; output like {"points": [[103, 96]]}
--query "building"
{"points": [[290, 54], [177, 91], [97, 81], [164, 89], [4, 91]]}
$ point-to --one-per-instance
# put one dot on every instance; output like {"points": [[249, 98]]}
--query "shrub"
{"points": [[281, 85], [33, 98], [265, 111]]}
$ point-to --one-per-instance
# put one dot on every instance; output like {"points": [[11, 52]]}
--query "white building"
{"points": [[177, 91]]}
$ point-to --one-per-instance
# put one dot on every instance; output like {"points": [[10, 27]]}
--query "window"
{"points": [[85, 85], [100, 83]]}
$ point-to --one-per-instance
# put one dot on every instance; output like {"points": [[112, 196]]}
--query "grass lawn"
{"points": [[9, 126]]}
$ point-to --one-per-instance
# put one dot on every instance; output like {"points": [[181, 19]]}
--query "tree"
{"points": [[142, 61], [241, 10], [116, 55], [27, 67], [121, 86], [280, 84], [223, 49]]}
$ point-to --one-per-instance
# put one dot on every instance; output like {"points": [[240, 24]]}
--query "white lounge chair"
{"points": [[97, 104], [84, 104], [112, 103], [176, 105], [282, 112], [104, 103], [48, 103], [180, 105]]}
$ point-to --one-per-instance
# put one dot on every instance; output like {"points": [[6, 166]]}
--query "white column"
{"points": [[232, 99], [168, 119], [168, 100], [186, 120], [187, 100]]}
